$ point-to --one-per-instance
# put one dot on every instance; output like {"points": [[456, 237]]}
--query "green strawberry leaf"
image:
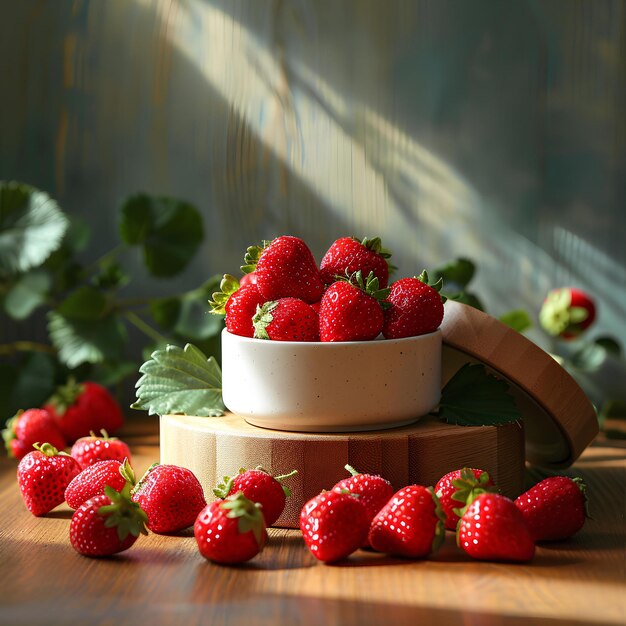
{"points": [[86, 340], [181, 381], [518, 320], [170, 231], [31, 227], [459, 271], [472, 397], [27, 293]]}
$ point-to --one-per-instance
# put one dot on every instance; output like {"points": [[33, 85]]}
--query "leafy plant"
{"points": [[81, 305]]}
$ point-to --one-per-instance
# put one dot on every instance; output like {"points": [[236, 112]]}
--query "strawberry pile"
{"points": [[284, 296], [73, 412], [363, 511]]}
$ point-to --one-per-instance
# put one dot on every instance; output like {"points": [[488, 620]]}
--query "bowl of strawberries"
{"points": [[328, 348]]}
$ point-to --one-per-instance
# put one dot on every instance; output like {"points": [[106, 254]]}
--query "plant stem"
{"points": [[26, 346], [105, 257], [145, 328]]}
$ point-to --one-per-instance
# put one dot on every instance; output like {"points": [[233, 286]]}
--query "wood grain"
{"points": [[417, 454], [164, 580]]}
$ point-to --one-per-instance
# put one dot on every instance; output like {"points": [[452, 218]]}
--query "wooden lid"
{"points": [[559, 419]]}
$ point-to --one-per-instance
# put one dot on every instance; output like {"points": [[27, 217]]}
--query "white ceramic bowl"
{"points": [[331, 387]]}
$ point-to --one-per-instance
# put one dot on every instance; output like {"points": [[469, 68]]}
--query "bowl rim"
{"points": [[380, 340]]}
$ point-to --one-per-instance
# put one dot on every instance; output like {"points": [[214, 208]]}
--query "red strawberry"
{"points": [[567, 313], [348, 255], [90, 450], [493, 529], [410, 524], [80, 408], [287, 319], [285, 268], [373, 491], [171, 496], [107, 524], [231, 530], [260, 487], [248, 279], [43, 475], [29, 427], [554, 508], [456, 488], [238, 303], [416, 308], [92, 481], [351, 310], [333, 525]]}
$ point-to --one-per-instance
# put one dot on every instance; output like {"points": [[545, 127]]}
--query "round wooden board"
{"points": [[559, 419], [421, 453]]}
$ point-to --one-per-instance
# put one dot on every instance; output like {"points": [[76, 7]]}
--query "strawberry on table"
{"points": [[567, 313], [415, 308], [261, 487], [93, 479], [458, 487], [171, 496], [90, 450], [410, 524], [349, 255], [43, 475], [351, 309], [79, 408], [287, 319], [373, 491], [107, 524], [285, 268], [492, 528], [230, 530], [28, 427], [555, 508], [334, 525]]}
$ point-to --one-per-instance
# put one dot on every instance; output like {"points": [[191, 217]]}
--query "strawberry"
{"points": [[334, 525], [287, 319], [90, 450], [492, 528], [171, 496], [43, 475], [348, 255], [416, 308], [248, 279], [554, 508], [238, 303], [567, 313], [80, 408], [351, 310], [93, 479], [460, 486], [107, 524], [231, 530], [285, 268], [261, 487], [373, 491], [411, 524], [29, 427]]}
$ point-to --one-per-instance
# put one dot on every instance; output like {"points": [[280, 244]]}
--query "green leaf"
{"points": [[36, 380], [169, 230], [466, 298], [31, 227], [610, 344], [87, 340], [180, 381], [85, 303], [109, 374], [518, 320], [459, 271], [472, 397], [26, 294], [165, 312], [110, 276]]}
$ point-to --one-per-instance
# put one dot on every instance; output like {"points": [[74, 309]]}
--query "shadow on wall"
{"points": [[314, 119]]}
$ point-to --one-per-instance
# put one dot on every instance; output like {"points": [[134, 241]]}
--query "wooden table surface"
{"points": [[164, 580]]}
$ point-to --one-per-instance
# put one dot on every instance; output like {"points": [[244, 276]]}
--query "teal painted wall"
{"points": [[489, 129]]}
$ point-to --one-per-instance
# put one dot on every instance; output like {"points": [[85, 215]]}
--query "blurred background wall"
{"points": [[488, 129]]}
